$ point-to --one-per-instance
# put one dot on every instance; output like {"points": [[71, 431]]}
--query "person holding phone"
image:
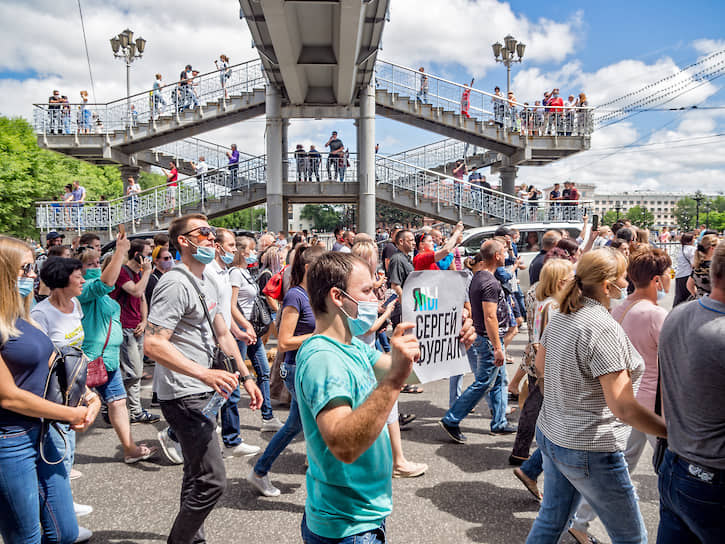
{"points": [[130, 293]]}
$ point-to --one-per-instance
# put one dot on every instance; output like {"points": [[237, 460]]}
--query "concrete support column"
{"points": [[366, 161], [508, 179], [285, 149], [129, 172], [276, 212]]}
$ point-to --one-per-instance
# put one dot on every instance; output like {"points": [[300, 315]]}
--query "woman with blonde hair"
{"points": [[35, 496], [402, 468], [699, 282], [591, 373]]}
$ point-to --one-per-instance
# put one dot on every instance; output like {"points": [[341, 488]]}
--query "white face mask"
{"points": [[619, 296]]}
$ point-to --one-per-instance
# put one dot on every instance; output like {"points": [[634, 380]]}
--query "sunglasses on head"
{"points": [[204, 232], [26, 269]]}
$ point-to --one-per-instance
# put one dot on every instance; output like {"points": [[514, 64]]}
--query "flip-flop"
{"points": [[582, 537], [414, 389], [146, 453], [416, 469]]}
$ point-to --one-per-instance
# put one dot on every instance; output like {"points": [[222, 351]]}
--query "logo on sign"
{"points": [[425, 299]]}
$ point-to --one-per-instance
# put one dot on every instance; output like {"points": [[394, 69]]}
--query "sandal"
{"points": [[582, 537], [414, 389], [145, 453]]}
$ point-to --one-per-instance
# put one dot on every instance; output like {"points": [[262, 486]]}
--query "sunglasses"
{"points": [[204, 232], [26, 269], [166, 258]]}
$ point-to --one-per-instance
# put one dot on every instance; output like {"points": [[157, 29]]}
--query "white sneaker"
{"points": [[240, 450], [82, 509], [84, 535], [171, 448], [271, 425], [263, 485]]}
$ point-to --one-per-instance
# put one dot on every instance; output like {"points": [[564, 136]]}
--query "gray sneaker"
{"points": [[263, 485], [84, 535], [240, 450], [171, 448], [271, 425]]}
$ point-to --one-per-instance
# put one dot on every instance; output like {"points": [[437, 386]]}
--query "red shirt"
{"points": [[174, 176], [556, 104], [130, 305], [425, 261], [573, 194]]}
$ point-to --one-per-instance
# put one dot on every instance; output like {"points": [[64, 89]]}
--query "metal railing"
{"points": [[152, 204], [190, 149], [150, 105], [437, 154], [303, 167], [480, 105], [471, 198]]}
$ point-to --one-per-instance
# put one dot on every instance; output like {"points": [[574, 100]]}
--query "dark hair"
{"points": [[161, 239], [399, 235], [569, 246], [88, 238], [304, 255], [617, 243], [56, 271], [686, 239], [419, 239], [137, 246], [332, 269], [625, 233], [617, 225], [297, 238], [57, 251], [647, 263], [337, 231]]}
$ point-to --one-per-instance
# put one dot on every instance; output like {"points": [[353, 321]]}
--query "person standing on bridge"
{"points": [[422, 95], [171, 184], [466, 100], [301, 162], [313, 164], [336, 148], [200, 169], [233, 164], [224, 72], [157, 98]]}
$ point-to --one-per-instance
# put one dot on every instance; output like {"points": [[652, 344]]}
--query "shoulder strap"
{"points": [[202, 299], [658, 394], [621, 319], [108, 335]]}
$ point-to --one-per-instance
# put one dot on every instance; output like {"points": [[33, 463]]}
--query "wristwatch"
{"points": [[243, 379]]}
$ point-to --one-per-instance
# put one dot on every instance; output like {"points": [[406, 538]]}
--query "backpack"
{"points": [[274, 285]]}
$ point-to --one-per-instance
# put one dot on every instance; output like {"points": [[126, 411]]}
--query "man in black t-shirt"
{"points": [[490, 319], [54, 102], [337, 150]]}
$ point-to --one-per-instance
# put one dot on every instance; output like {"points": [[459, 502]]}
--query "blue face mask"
{"points": [[251, 259], [92, 273], [25, 286], [204, 255], [622, 292], [367, 313], [227, 258], [661, 294]]}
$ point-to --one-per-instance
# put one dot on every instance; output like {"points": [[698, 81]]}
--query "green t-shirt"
{"points": [[342, 499], [98, 310]]}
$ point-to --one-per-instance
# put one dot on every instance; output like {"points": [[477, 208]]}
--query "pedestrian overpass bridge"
{"points": [[317, 60]]}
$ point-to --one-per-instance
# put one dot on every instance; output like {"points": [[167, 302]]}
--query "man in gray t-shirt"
{"points": [[180, 340], [692, 380]]}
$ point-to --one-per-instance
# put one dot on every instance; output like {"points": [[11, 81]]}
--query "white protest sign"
{"points": [[433, 301]]}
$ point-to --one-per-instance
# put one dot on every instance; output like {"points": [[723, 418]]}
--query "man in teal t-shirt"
{"points": [[345, 391]]}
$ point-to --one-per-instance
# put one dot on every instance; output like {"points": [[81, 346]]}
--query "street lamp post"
{"points": [[698, 198], [617, 208], [509, 52], [128, 50], [707, 217]]}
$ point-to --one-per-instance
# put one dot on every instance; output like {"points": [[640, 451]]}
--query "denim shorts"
{"points": [[113, 389]]}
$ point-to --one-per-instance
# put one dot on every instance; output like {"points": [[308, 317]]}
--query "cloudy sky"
{"points": [[606, 49]]}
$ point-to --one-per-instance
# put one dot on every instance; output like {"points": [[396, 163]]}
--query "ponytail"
{"points": [[593, 268]]}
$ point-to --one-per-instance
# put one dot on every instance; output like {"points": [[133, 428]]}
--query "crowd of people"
{"points": [[600, 349]]}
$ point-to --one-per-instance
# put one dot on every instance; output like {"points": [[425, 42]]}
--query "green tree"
{"points": [[29, 174], [390, 215], [718, 204], [324, 216], [685, 211], [249, 219], [609, 218], [641, 217]]}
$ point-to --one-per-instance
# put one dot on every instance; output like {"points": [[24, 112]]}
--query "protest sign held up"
{"points": [[433, 301]]}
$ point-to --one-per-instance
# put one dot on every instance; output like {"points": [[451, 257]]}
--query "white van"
{"points": [[529, 244]]}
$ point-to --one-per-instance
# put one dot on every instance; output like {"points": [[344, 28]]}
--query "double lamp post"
{"points": [[125, 48]]}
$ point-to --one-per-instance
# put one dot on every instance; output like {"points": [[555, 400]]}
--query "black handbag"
{"points": [[219, 359], [66, 385], [661, 443], [260, 316]]}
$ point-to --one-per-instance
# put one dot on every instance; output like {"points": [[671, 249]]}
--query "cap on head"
{"points": [[52, 235], [502, 231]]}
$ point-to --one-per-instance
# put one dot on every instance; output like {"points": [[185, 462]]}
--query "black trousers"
{"points": [[205, 476], [681, 292], [527, 420]]}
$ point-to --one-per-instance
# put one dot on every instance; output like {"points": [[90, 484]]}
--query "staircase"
{"points": [[223, 191], [442, 156], [512, 131], [186, 151], [113, 133]]}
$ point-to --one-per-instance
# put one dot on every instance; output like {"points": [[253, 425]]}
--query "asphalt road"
{"points": [[469, 493]]}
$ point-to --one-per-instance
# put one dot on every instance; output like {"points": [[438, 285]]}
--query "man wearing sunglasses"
{"points": [[179, 339]]}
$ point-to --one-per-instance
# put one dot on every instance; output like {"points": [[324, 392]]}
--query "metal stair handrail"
{"points": [[485, 107], [444, 190], [438, 154], [147, 106], [190, 149]]}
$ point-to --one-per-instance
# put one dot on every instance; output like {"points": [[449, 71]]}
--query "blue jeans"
{"points": [[291, 428], [231, 435], [455, 383], [381, 342], [59, 446], [488, 377], [690, 509], [534, 465], [375, 536], [261, 367], [602, 478], [33, 494]]}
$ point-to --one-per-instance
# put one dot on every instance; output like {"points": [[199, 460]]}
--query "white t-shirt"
{"points": [[63, 329], [220, 277], [683, 261], [248, 289]]}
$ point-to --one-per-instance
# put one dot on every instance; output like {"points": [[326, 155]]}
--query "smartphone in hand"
{"points": [[391, 298]]}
